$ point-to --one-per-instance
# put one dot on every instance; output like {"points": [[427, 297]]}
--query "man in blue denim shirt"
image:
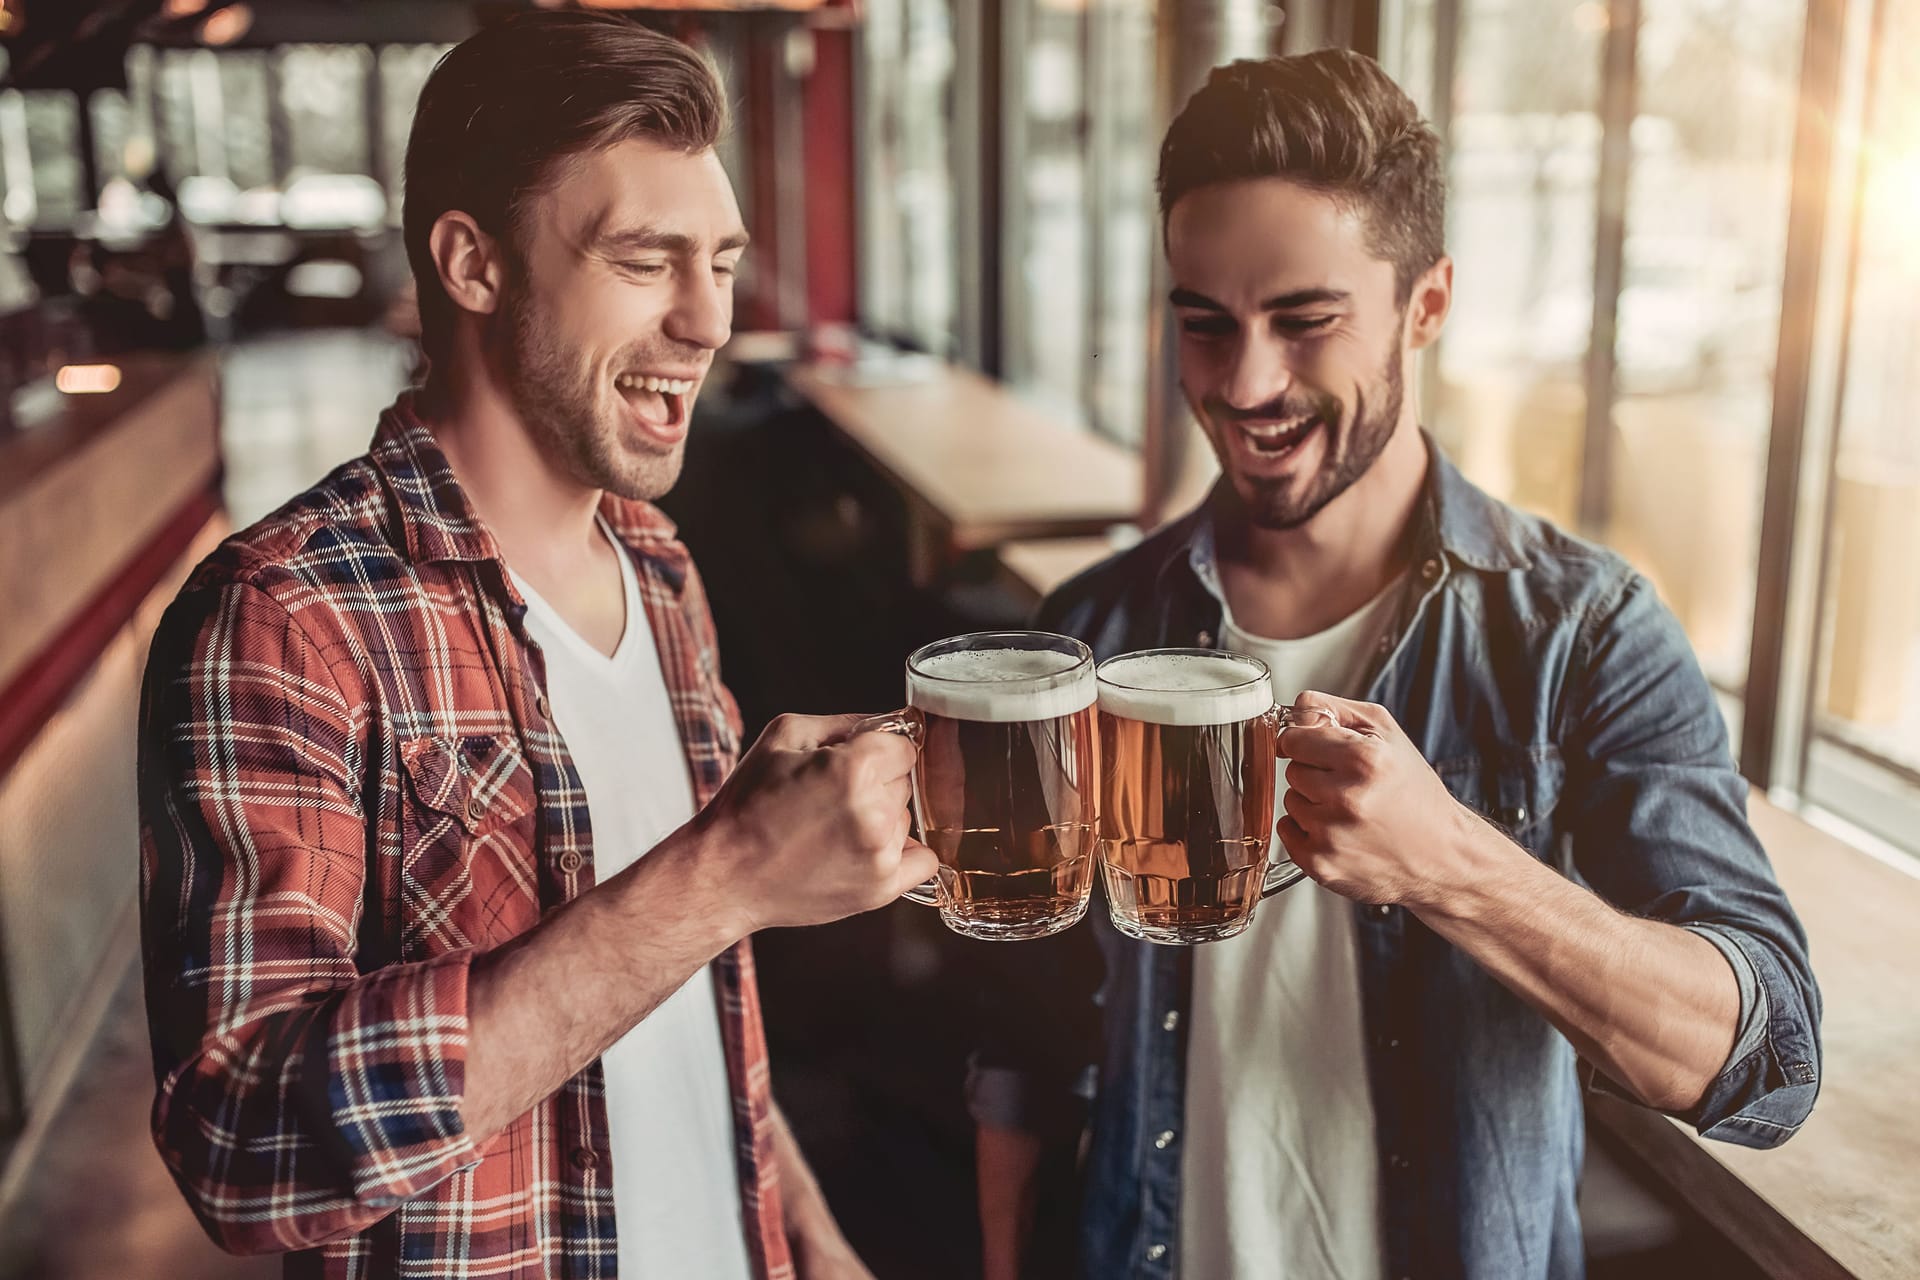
{"points": [[1534, 814]]}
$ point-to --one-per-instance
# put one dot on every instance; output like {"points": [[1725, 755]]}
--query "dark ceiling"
{"points": [[82, 44]]}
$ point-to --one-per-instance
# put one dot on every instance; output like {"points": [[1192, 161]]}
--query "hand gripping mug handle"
{"points": [[909, 724], [1284, 875]]}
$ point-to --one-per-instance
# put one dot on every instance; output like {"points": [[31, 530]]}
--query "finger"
{"points": [[879, 757], [1360, 717], [917, 865], [1295, 840], [804, 733], [1319, 746], [1302, 808], [903, 722], [1312, 782]]}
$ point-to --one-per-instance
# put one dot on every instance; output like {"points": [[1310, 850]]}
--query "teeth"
{"points": [[667, 386], [1269, 432]]}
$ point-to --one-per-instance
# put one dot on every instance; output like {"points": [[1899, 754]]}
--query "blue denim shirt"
{"points": [[1552, 692]]}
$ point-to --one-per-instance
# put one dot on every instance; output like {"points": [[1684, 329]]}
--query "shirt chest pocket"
{"points": [[467, 813], [1515, 788]]}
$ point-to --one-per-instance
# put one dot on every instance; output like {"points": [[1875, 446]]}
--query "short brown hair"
{"points": [[1330, 120], [507, 106]]}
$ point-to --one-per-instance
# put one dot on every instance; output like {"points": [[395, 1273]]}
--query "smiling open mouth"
{"points": [[1277, 439], [660, 403]]}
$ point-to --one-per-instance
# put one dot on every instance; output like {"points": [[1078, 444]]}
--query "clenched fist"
{"points": [[813, 824]]}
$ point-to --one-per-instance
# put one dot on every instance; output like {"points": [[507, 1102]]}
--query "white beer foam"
{"points": [[1000, 685], [1183, 689]]}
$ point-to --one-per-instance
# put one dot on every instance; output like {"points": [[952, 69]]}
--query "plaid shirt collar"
{"points": [[438, 521]]}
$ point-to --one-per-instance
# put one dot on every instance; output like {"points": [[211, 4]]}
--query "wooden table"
{"points": [[1842, 1197], [1032, 567], [977, 465]]}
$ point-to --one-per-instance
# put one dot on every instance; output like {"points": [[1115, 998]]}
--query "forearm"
{"points": [[548, 1003], [1652, 1005], [1007, 1167]]}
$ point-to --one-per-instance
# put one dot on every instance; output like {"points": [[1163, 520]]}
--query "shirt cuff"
{"points": [[1753, 996]]}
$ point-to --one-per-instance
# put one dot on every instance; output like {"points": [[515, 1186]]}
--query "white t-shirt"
{"points": [[669, 1112], [1279, 1171]]}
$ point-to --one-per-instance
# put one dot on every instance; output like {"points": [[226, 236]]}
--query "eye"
{"points": [[1206, 326], [644, 269], [726, 270], [1304, 324]]}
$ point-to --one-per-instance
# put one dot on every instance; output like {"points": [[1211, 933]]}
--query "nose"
{"points": [[1258, 374], [702, 313]]}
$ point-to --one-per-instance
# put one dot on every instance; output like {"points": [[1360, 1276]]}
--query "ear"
{"points": [[468, 261], [1428, 304]]}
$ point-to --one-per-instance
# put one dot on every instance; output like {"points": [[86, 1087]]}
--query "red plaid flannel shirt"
{"points": [[350, 787]]}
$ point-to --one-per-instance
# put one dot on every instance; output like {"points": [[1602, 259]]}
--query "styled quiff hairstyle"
{"points": [[508, 107], [1331, 121]]}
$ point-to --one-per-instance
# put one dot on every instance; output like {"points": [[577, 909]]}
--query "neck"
{"points": [[1288, 583], [542, 517]]}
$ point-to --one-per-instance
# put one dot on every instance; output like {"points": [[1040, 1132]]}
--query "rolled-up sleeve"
{"points": [[1659, 828], [299, 1100]]}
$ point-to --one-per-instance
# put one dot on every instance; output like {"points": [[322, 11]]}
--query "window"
{"points": [[908, 269], [1511, 398], [1864, 761], [323, 90], [1699, 309], [1690, 407]]}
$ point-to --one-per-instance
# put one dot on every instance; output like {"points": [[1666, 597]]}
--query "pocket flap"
{"points": [[459, 777]]}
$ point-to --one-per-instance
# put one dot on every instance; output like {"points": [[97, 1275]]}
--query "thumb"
{"points": [[917, 865]]}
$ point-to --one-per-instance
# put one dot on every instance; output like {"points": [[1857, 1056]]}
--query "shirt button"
{"points": [[1155, 1252], [1165, 1139], [1430, 569], [1400, 1164], [544, 707], [1171, 1020], [1381, 911], [1514, 815], [569, 862], [585, 1159], [1386, 644], [1204, 640]]}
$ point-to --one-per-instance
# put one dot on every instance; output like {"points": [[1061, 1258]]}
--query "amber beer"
{"points": [[1005, 788], [1187, 747]]}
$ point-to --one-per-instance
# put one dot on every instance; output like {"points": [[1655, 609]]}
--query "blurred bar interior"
{"points": [[1687, 324]]}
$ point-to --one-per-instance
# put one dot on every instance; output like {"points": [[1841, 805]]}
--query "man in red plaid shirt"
{"points": [[447, 865]]}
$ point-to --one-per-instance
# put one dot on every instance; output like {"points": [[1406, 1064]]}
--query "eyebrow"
{"points": [[1279, 302], [648, 239]]}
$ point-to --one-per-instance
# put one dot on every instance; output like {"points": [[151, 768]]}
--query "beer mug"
{"points": [[1004, 790], [1188, 752]]}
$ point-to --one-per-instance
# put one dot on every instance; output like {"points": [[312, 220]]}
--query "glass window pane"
{"points": [[908, 265], [1053, 189], [246, 118], [53, 151], [1511, 403], [926, 196], [323, 89], [1699, 310], [403, 73], [1867, 691], [1130, 218]]}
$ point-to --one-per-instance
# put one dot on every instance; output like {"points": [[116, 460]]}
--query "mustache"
{"points": [[1283, 406]]}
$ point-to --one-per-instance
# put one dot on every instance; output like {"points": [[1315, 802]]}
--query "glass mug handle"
{"points": [[908, 723], [1284, 875]]}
